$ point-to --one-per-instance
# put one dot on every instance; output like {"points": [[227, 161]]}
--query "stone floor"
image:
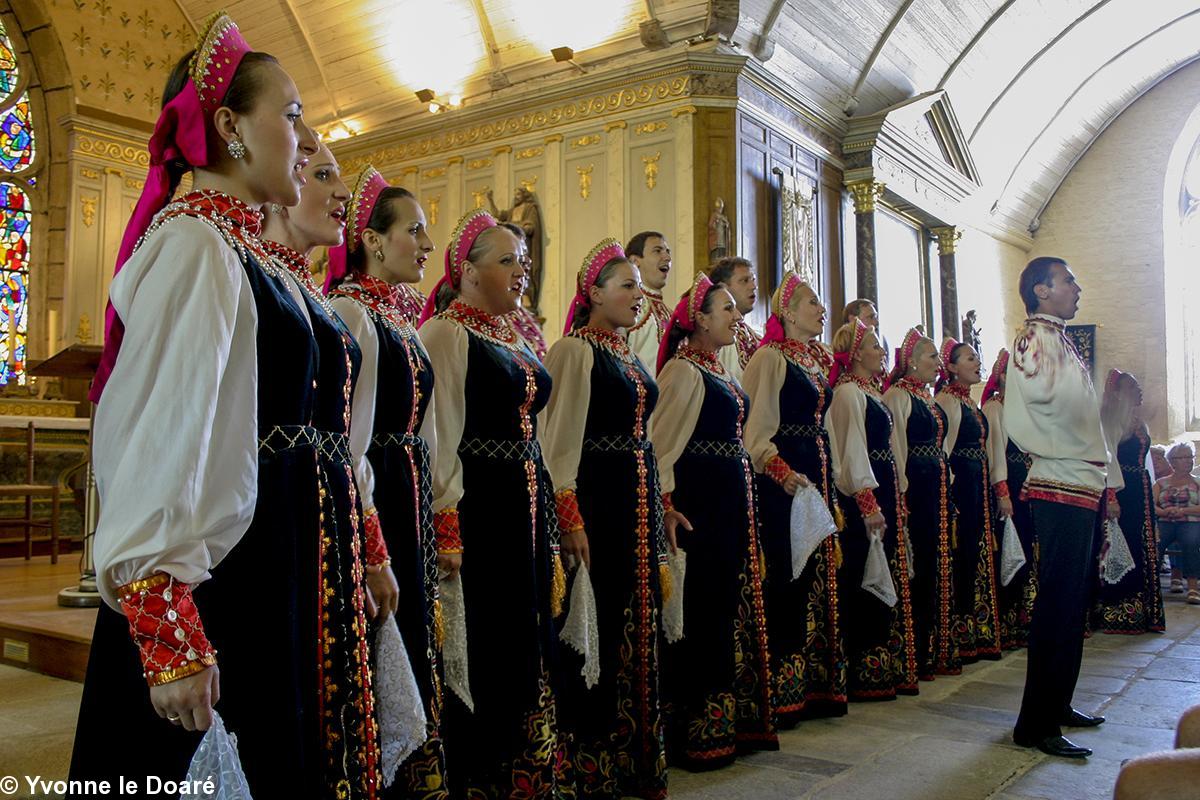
{"points": [[950, 743]]}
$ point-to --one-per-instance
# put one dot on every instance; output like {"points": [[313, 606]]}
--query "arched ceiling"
{"points": [[1032, 82]]}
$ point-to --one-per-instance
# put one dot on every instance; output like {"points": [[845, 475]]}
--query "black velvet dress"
{"points": [[284, 608], [399, 459], [881, 649], [808, 659], [716, 678], [616, 727]]}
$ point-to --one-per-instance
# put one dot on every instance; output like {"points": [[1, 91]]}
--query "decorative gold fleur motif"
{"points": [[528, 183], [433, 172], [585, 141], [528, 152], [585, 180], [145, 22], [479, 163], [650, 127], [651, 169], [82, 40], [434, 204], [103, 9], [87, 210], [480, 195], [127, 54], [107, 85]]}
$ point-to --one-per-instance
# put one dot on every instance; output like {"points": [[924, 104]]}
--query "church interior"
{"points": [[917, 153]]}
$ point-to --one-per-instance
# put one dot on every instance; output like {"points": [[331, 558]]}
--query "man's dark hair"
{"points": [[637, 245], [853, 308], [1036, 273], [722, 271]]}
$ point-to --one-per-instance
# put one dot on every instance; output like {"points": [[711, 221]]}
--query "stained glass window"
{"points": [[15, 218], [16, 136], [8, 66]]}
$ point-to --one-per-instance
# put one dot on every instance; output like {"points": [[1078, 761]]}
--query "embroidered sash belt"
{"points": [[929, 451], [615, 444], [722, 448], [970, 453], [802, 431], [502, 449]]}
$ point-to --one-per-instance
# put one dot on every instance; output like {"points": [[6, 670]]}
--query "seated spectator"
{"points": [[1177, 501]]}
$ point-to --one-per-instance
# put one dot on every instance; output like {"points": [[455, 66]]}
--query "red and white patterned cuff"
{"points": [[867, 504], [166, 627], [567, 506], [446, 532], [1001, 489], [1110, 496], [667, 504], [778, 470], [377, 552]]}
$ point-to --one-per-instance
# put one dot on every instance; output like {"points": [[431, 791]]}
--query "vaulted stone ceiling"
{"points": [[1033, 82]]}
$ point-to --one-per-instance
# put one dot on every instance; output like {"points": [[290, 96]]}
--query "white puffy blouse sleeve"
{"points": [[561, 424], [954, 411], [362, 408], [762, 380], [446, 344], [176, 432], [847, 426], [680, 398], [643, 338], [997, 441], [899, 402]]}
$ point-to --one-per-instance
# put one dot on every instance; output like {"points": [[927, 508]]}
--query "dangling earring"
{"points": [[276, 209], [379, 256], [236, 149]]}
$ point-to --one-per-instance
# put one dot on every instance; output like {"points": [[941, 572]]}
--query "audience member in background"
{"points": [[1177, 501]]}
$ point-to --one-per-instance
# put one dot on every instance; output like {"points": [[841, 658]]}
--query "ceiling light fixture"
{"points": [[437, 104], [566, 55]]}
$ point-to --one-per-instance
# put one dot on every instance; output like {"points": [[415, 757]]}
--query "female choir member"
{"points": [[231, 533], [918, 431], [392, 434], [880, 643], [524, 320], [606, 492], [716, 678], [975, 551], [1009, 467], [492, 509], [1133, 604], [787, 382]]}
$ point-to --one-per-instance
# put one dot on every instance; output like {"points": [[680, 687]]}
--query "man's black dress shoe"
{"points": [[1078, 719], [1055, 746]]}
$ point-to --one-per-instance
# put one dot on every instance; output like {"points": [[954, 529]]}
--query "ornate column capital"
{"points": [[947, 239], [865, 194]]}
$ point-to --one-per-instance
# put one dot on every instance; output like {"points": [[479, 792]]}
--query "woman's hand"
{"points": [[188, 701], [576, 545], [795, 482], [449, 564], [875, 523], [383, 593], [1114, 510], [1005, 506], [672, 519]]}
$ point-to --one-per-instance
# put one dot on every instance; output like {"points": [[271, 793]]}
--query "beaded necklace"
{"points": [[611, 342]]}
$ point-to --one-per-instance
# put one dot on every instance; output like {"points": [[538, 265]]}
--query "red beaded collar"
{"points": [[496, 330], [961, 391], [915, 388], [226, 207], [868, 385], [704, 359], [377, 296], [609, 341]]}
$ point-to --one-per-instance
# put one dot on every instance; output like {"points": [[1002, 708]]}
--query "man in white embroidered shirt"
{"points": [[1052, 413]]}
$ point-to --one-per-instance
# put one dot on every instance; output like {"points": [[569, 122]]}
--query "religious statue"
{"points": [[970, 334], [718, 232], [526, 213]]}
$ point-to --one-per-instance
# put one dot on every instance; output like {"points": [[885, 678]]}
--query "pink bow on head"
{"points": [[601, 254], [184, 132], [362, 205], [461, 242]]}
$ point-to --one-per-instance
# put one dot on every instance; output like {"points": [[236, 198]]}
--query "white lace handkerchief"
{"points": [[1012, 555], [811, 524], [582, 630], [877, 577], [672, 615], [216, 761], [454, 648], [397, 700], [1116, 561]]}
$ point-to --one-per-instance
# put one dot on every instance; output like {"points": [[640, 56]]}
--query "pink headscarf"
{"points": [[992, 387], [601, 254], [843, 361], [904, 353], [461, 241], [684, 315], [184, 132], [774, 332], [362, 205]]}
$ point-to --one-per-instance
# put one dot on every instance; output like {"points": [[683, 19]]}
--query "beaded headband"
{"points": [[216, 60], [463, 239], [695, 297], [860, 333], [904, 354], [1110, 382], [992, 386], [362, 205], [604, 252], [783, 295]]}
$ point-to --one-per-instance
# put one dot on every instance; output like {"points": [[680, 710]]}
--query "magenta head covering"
{"points": [[774, 332], [992, 387], [685, 313], [362, 205], [843, 361], [461, 242], [184, 132], [601, 254]]}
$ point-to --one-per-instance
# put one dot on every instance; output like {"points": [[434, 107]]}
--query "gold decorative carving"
{"points": [[87, 210], [434, 203], [433, 172], [947, 239], [120, 152], [529, 152], [865, 194], [135, 183], [452, 160], [528, 183], [479, 163], [87, 172], [585, 180], [554, 137], [411, 169], [651, 165], [651, 127], [616, 125], [59, 409], [480, 195], [585, 141], [688, 109], [83, 334], [499, 151]]}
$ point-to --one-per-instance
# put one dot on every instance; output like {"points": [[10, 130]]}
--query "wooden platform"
{"points": [[35, 632]]}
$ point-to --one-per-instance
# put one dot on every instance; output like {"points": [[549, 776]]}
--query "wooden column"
{"points": [[865, 194], [947, 240]]}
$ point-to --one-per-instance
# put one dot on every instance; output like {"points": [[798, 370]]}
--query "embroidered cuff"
{"points": [[569, 518], [667, 504], [377, 552], [778, 470], [1001, 488], [446, 533], [166, 627], [867, 505], [1110, 496]]}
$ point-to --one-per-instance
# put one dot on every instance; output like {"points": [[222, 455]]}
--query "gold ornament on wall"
{"points": [[585, 141], [479, 163], [651, 163], [435, 172], [87, 210], [529, 152], [480, 195], [83, 333], [434, 202], [585, 180], [650, 127], [528, 183]]}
